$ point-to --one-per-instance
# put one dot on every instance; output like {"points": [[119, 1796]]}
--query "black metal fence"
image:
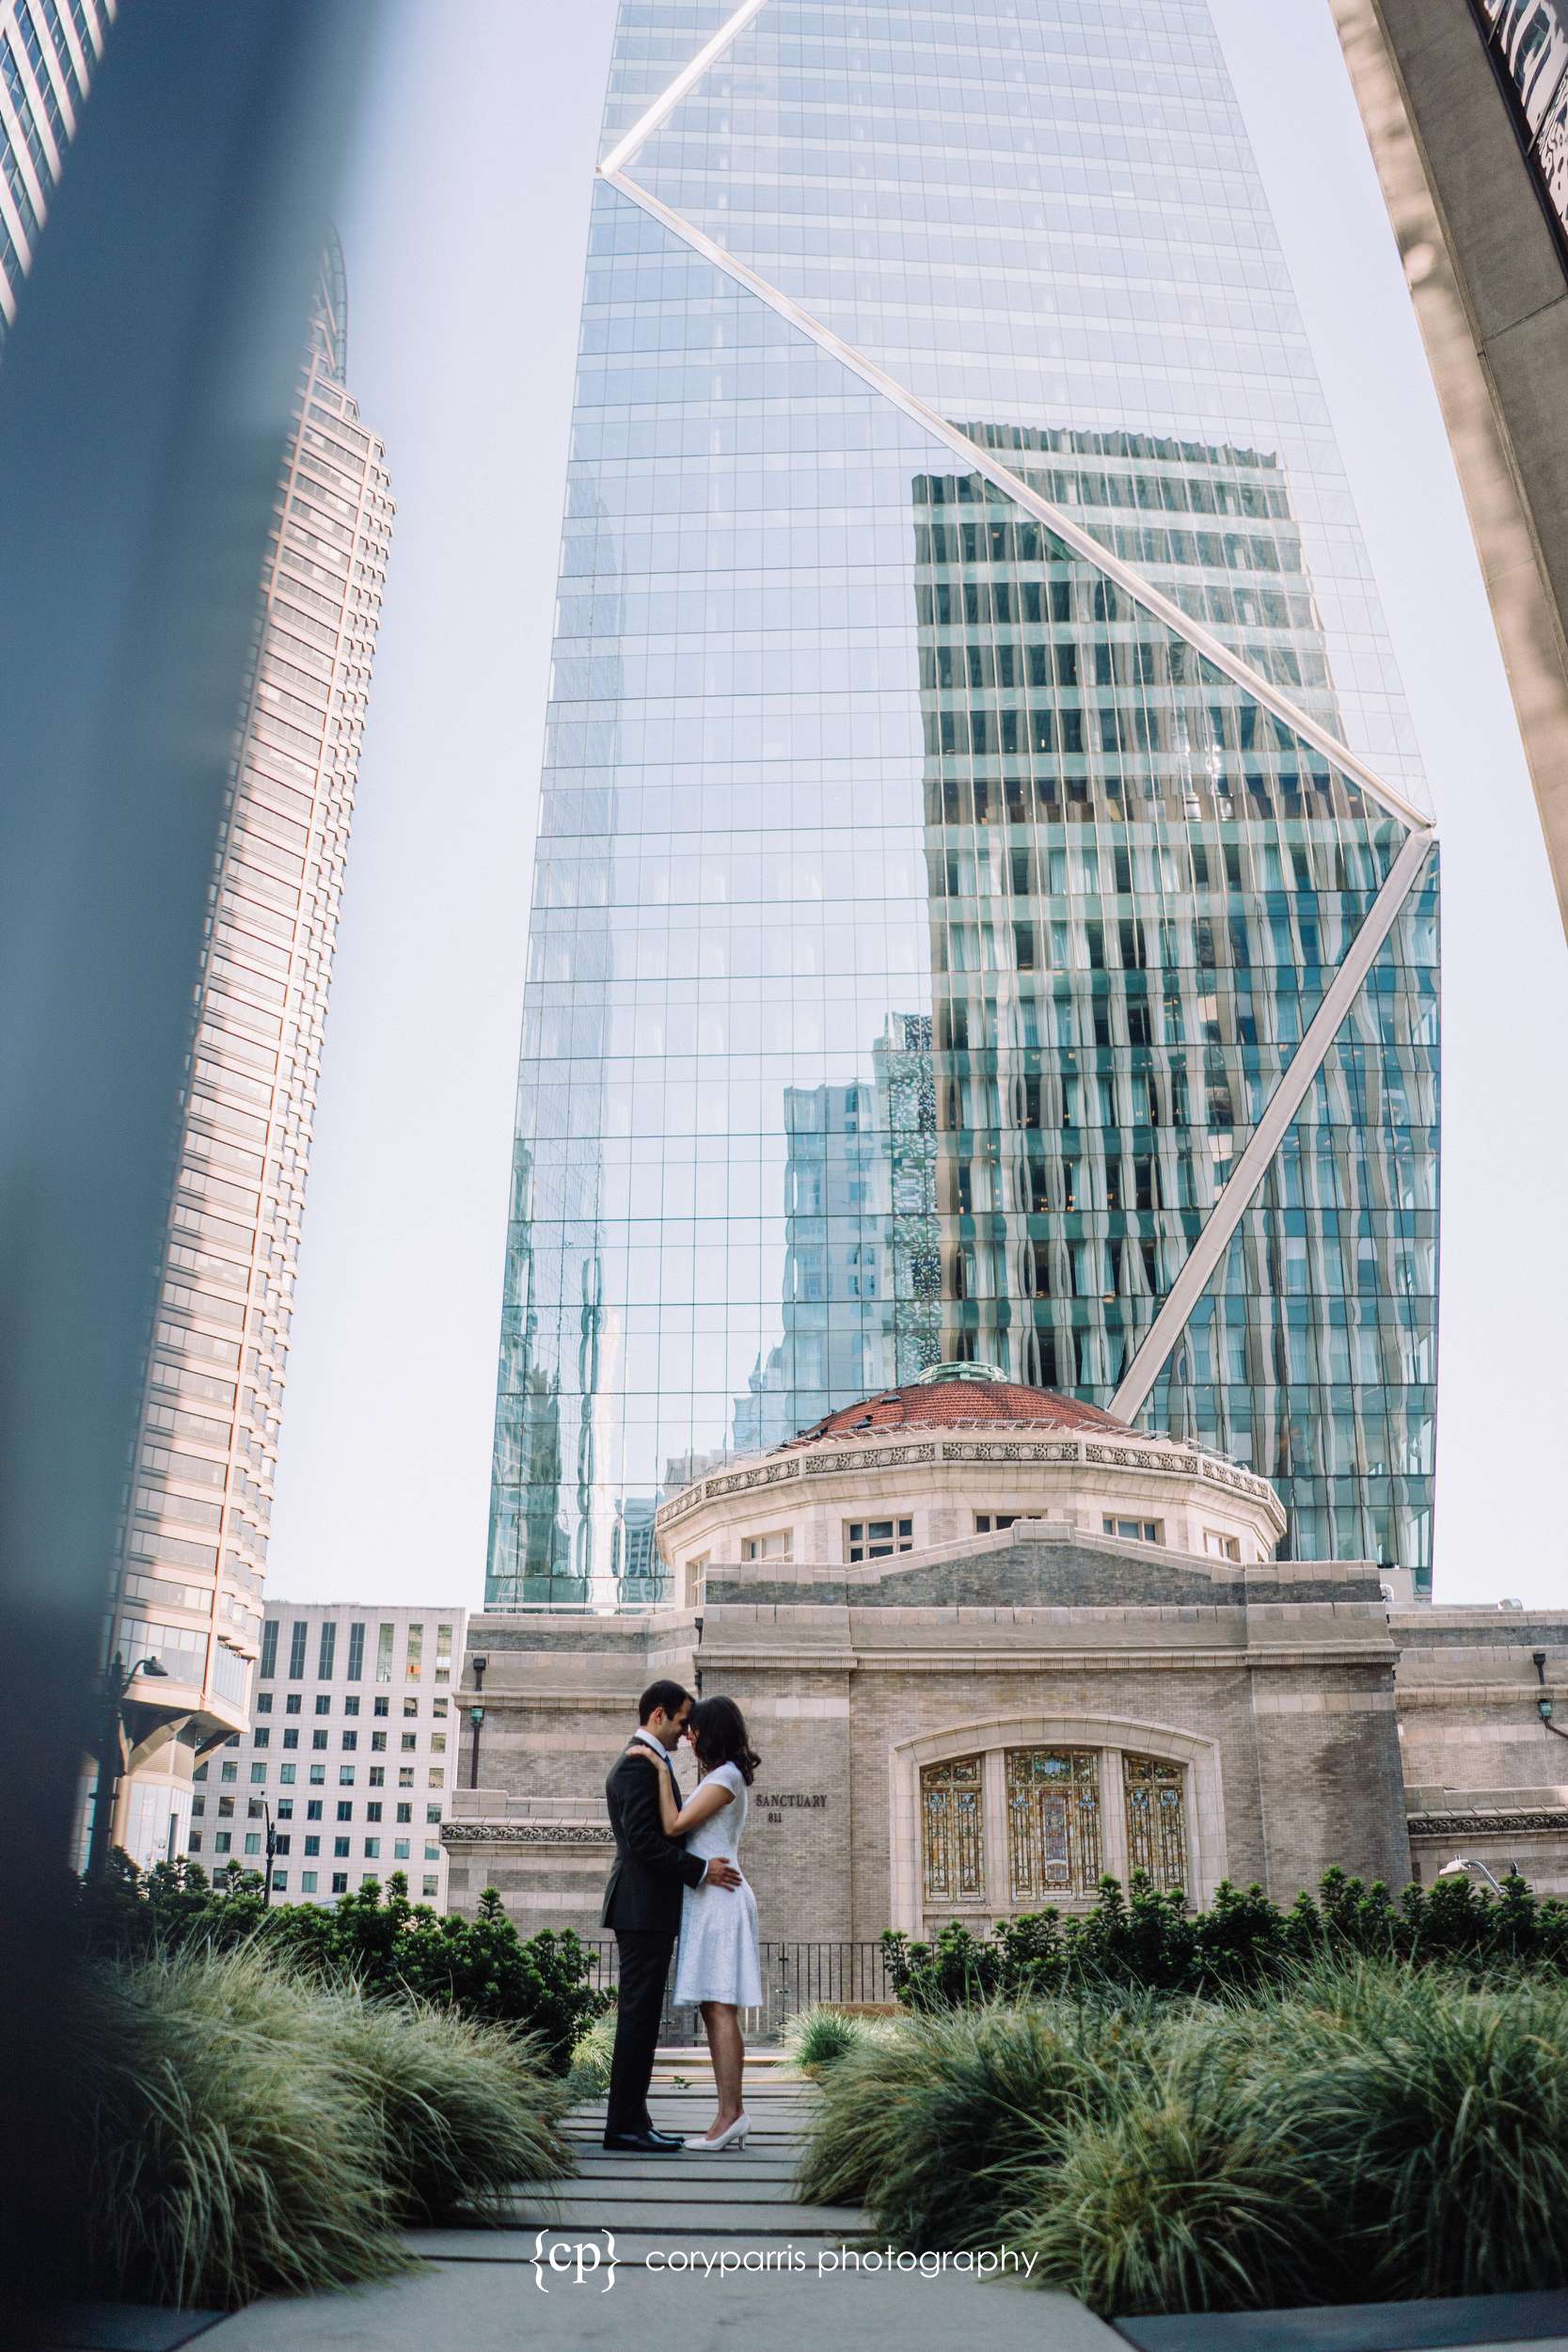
{"points": [[794, 1976]]}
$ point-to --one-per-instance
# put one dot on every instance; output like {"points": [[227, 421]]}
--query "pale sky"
{"points": [[464, 233]]}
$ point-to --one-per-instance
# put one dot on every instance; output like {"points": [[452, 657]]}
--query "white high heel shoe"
{"points": [[734, 2136]]}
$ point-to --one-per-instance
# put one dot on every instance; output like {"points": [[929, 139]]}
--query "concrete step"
{"points": [[711, 2217], [602, 2169], [632, 2247]]}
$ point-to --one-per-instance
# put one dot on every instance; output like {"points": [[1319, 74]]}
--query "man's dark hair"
{"points": [[670, 1696]]}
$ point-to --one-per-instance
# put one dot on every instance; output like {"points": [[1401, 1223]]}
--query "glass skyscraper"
{"points": [[985, 902]]}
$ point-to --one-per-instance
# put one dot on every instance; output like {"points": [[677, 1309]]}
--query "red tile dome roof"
{"points": [[954, 1395]]}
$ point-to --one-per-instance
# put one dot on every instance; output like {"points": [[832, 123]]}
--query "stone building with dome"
{"points": [[993, 1645]]}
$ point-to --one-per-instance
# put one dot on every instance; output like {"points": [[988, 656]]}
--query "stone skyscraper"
{"points": [[189, 1586], [974, 728]]}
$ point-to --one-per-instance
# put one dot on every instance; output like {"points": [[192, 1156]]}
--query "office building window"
{"points": [[877, 1539], [268, 1666], [340, 1881], [296, 1652], [1134, 1531], [384, 1654], [355, 1653], [326, 1653], [414, 1664], [308, 1882]]}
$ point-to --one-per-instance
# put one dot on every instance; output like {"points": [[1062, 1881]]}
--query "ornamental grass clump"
{"points": [[588, 2075], [1436, 2112], [818, 2036], [226, 2151], [244, 2129], [1177, 2185], [928, 2127], [1365, 2132], [465, 2111]]}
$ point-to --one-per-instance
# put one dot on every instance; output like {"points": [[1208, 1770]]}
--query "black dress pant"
{"points": [[644, 1966]]}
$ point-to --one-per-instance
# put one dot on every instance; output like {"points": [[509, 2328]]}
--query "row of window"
{"points": [[403, 1811], [879, 1539], [223, 1843], [430, 1888], [294, 1703], [349, 1740], [327, 1651], [287, 1775]]}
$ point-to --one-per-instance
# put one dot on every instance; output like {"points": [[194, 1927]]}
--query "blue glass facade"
{"points": [[923, 919]]}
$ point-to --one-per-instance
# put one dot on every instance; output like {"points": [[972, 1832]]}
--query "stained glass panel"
{"points": [[1156, 1820], [1053, 1822], [952, 1811]]}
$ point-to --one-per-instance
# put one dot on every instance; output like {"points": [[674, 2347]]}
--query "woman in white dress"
{"points": [[717, 1965]]}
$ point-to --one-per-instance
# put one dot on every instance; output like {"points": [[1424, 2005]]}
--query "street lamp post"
{"points": [[1459, 1868], [476, 1716], [259, 1805], [117, 1678]]}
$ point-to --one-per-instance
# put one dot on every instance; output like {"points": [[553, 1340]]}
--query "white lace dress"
{"points": [[717, 1958]]}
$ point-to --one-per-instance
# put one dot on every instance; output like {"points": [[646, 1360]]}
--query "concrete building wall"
{"points": [[354, 1744], [1485, 1777], [1268, 1691], [1488, 274]]}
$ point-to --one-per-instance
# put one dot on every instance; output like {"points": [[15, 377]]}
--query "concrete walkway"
{"points": [[708, 2251]]}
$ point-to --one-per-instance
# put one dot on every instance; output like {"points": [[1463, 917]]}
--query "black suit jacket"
{"points": [[645, 1890]]}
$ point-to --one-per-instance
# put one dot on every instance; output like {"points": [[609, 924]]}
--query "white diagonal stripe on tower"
{"points": [[687, 79], [1268, 1134], [1056, 519]]}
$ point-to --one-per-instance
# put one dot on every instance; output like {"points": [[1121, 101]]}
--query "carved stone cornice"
{"points": [[839, 1457], [871, 1457], [525, 1833], [1482, 1823]]}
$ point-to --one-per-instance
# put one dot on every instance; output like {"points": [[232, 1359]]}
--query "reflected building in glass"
{"points": [[985, 906]]}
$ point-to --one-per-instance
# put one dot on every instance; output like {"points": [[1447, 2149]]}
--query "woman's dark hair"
{"points": [[718, 1735]]}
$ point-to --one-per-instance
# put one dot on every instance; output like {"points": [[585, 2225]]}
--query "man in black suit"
{"points": [[642, 1905]]}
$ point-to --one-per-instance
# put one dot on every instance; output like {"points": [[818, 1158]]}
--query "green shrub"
{"points": [[1152, 1941], [227, 2153], [480, 1967]]}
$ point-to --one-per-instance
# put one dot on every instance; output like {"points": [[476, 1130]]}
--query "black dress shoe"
{"points": [[642, 2144], [671, 2139]]}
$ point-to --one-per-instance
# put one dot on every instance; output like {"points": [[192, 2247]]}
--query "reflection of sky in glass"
{"points": [[919, 928]]}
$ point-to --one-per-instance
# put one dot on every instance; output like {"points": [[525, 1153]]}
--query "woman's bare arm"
{"points": [[708, 1799]]}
